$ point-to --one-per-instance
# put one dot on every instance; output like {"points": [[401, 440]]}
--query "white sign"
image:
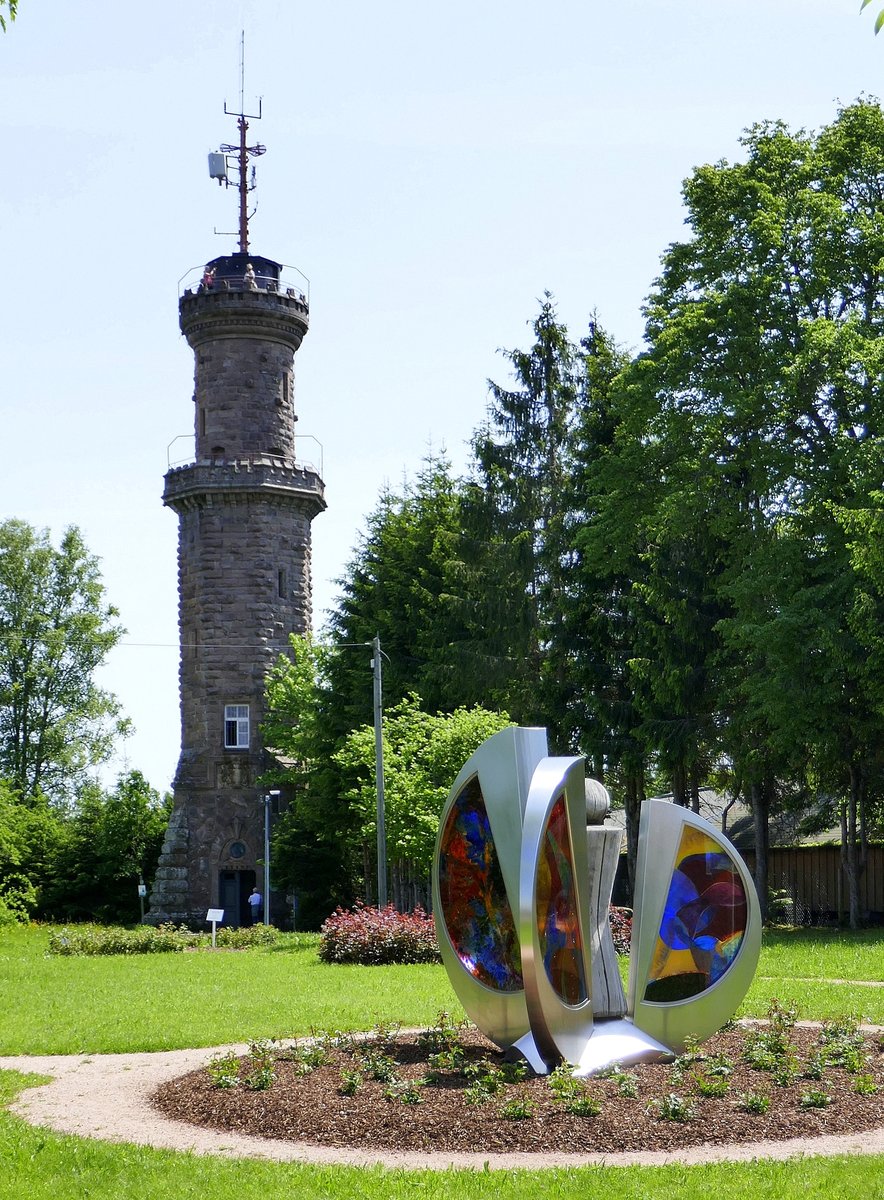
{"points": [[215, 915]]}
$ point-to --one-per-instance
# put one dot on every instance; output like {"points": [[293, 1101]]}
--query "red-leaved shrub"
{"points": [[620, 920], [371, 936]]}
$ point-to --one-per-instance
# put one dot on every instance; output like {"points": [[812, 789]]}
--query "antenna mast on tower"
{"points": [[219, 162]]}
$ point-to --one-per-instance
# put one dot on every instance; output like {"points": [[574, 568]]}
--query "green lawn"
{"points": [[792, 961], [824, 954], [64, 1005], [173, 1001]]}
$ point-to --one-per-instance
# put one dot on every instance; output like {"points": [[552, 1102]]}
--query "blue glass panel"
{"points": [[703, 922]]}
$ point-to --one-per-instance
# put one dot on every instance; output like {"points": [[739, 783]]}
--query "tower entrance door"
{"points": [[233, 896]]}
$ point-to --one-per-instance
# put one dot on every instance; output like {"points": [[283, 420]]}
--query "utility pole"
{"points": [[379, 770]]}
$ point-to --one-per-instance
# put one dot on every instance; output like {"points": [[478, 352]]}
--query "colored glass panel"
{"points": [[703, 922], [475, 907], [557, 922]]}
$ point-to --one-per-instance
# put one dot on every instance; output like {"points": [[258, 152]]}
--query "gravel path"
{"points": [[107, 1096]]}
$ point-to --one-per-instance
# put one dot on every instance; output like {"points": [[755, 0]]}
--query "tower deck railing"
{"points": [[291, 282], [181, 452]]}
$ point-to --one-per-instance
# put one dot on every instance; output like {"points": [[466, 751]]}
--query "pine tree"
{"points": [[514, 516]]}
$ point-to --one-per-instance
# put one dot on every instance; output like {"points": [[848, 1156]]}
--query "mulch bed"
{"points": [[311, 1107]]}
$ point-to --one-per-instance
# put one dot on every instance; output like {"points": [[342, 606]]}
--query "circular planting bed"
{"points": [[448, 1089]]}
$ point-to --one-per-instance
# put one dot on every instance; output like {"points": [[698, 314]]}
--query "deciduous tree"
{"points": [[764, 403], [423, 753], [879, 20], [55, 631], [110, 842]]}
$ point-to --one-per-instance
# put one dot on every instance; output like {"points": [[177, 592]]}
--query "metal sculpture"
{"points": [[522, 880]]}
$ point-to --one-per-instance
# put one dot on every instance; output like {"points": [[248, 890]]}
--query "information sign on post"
{"points": [[216, 916]]}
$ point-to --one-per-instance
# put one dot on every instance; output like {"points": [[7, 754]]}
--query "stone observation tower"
{"points": [[244, 508]]}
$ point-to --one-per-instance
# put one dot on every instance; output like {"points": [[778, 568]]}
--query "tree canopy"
{"points": [[423, 753], [324, 845], [671, 559], [55, 631], [748, 433], [106, 847]]}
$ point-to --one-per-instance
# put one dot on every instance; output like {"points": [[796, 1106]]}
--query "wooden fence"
{"points": [[812, 878]]}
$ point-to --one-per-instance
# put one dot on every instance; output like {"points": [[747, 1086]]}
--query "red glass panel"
{"points": [[558, 926]]}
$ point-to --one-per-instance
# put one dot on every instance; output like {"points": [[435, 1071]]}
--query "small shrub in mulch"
{"points": [[373, 937], [450, 1090]]}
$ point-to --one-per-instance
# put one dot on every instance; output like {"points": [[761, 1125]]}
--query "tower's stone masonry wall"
{"points": [[244, 511], [268, 316], [245, 399], [244, 586]]}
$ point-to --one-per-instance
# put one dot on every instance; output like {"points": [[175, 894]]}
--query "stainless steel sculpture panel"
{"points": [[696, 932], [476, 881], [554, 911]]}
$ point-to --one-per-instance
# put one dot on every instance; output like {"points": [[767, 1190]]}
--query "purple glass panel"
{"points": [[475, 907]]}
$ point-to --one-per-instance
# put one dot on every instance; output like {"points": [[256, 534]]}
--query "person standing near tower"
{"points": [[255, 902]]}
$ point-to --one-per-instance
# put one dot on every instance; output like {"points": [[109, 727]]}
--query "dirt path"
{"points": [[872, 983], [106, 1096]]}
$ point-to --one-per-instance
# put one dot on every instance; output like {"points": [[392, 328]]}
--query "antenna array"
{"points": [[236, 157]]}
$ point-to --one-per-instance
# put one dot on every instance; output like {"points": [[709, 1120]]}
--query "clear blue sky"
{"points": [[431, 168]]}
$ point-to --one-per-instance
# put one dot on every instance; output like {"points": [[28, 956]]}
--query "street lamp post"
{"points": [[267, 802]]}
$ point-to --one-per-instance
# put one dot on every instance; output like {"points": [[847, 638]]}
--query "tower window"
{"points": [[282, 583], [236, 726]]}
